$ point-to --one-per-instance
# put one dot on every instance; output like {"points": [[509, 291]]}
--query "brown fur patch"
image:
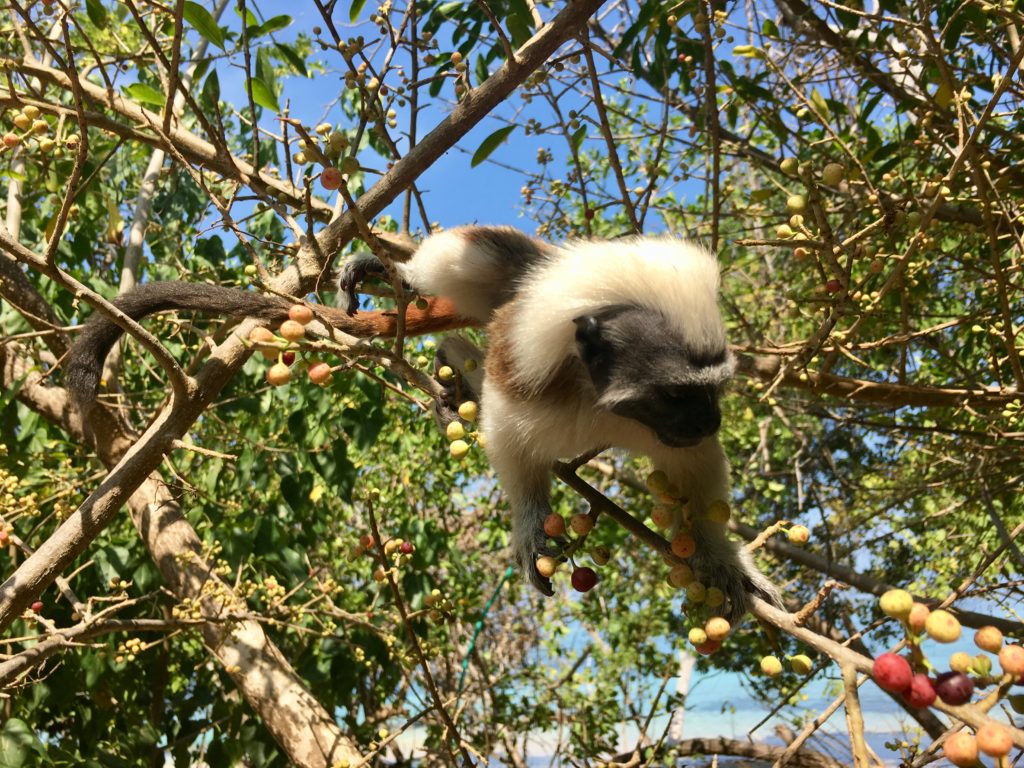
{"points": [[439, 315], [569, 380]]}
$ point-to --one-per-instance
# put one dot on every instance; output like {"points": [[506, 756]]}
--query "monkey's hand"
{"points": [[466, 363], [356, 271], [722, 563], [530, 542]]}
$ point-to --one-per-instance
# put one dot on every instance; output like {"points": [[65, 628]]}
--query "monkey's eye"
{"points": [[683, 391]]}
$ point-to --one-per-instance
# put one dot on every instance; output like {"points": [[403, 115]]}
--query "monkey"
{"points": [[598, 343], [591, 344]]}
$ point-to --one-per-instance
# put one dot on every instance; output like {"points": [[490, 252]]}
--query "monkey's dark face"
{"points": [[642, 370]]}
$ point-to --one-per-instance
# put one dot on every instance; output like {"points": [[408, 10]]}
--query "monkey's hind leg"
{"points": [[466, 361]]}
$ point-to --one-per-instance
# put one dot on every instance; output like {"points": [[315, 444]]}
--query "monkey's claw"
{"points": [[354, 273]]}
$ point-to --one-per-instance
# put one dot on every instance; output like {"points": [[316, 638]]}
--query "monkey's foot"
{"points": [[538, 545], [356, 271], [721, 563]]}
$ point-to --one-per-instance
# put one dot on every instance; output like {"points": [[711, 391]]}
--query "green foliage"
{"points": [[922, 235]]}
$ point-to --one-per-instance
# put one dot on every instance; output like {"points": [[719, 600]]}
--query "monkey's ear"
{"points": [[590, 340]]}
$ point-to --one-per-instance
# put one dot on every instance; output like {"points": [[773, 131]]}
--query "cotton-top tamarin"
{"points": [[597, 343]]}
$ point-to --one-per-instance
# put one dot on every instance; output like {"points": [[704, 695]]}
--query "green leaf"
{"points": [[96, 12], [262, 95], [576, 140], [204, 23], [273, 24], [355, 10], [16, 740], [211, 89], [145, 94], [491, 143], [819, 103], [289, 55]]}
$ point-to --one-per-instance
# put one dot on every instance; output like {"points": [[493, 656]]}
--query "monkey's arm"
{"points": [[83, 365], [718, 561], [478, 268]]}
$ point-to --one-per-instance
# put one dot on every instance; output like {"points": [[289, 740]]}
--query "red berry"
{"points": [[37, 606], [921, 692], [288, 358], [954, 688], [709, 647], [331, 178], [584, 579], [833, 286], [588, 214], [892, 673], [406, 548], [554, 525]]}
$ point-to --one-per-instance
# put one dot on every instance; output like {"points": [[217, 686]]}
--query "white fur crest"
{"points": [[673, 277]]}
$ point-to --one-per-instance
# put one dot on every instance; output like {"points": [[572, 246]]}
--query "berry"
{"points": [[801, 664], [350, 165], [788, 166], [11, 140], [600, 555], [331, 178], [37, 606], [960, 662], [4, 537], [657, 481], [455, 431], [406, 548], [680, 576], [300, 313], [31, 112], [708, 648], [796, 204], [892, 673], [261, 335], [445, 373], [942, 626], [458, 449], [696, 592], [581, 524], [799, 534], [554, 525], [714, 597], [697, 636], [918, 616], [989, 639], [833, 286], [832, 174], [584, 579], [896, 603], [278, 374], [683, 545], [1011, 659], [961, 749], [717, 628], [921, 692], [250, 270], [954, 688], [771, 666], [320, 373], [546, 566], [469, 411], [994, 740], [292, 330], [718, 512], [662, 516], [288, 358]]}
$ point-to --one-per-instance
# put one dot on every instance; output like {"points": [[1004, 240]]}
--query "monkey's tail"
{"points": [[83, 366]]}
